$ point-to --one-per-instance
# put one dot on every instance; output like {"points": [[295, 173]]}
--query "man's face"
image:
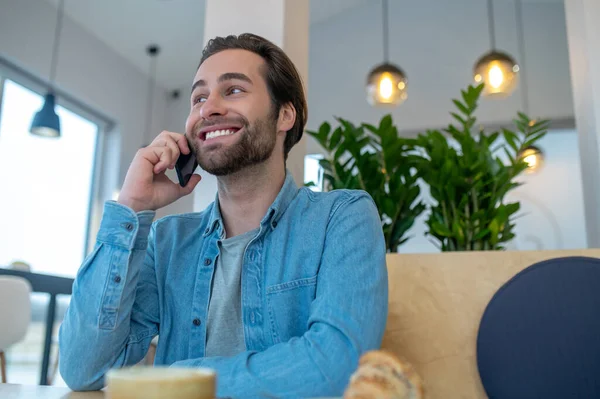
{"points": [[231, 123]]}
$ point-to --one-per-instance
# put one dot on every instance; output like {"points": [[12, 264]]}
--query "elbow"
{"points": [[77, 378], [75, 370]]}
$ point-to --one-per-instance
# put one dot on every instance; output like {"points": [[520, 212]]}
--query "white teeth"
{"points": [[217, 133]]}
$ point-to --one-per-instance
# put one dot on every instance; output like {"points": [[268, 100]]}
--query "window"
{"points": [[46, 185], [313, 172]]}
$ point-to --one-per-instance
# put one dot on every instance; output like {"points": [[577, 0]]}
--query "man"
{"points": [[278, 289]]}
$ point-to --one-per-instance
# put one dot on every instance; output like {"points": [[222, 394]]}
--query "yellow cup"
{"points": [[144, 382]]}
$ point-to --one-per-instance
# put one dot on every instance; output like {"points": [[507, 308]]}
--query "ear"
{"points": [[287, 118]]}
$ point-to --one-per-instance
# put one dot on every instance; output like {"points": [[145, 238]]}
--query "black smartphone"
{"points": [[185, 167]]}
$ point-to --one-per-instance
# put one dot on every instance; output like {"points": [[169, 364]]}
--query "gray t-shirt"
{"points": [[225, 332]]}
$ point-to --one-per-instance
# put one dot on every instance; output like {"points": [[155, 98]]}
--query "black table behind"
{"points": [[53, 285]]}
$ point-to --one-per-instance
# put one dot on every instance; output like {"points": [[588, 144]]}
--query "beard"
{"points": [[254, 146]]}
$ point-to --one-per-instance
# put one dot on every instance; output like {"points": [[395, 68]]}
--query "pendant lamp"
{"points": [[46, 122], [496, 69], [534, 157], [386, 83]]}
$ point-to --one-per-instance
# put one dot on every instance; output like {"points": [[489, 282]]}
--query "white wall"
{"points": [[89, 71], [552, 200]]}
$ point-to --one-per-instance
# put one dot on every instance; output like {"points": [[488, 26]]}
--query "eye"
{"points": [[234, 90], [199, 99]]}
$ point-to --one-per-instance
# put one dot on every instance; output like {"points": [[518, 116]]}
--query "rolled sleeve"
{"points": [[122, 227]]}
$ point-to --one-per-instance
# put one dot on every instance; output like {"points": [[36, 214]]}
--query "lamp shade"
{"points": [[499, 72], [45, 122], [386, 84], [534, 157]]}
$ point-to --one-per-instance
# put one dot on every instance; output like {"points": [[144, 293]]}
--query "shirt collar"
{"points": [[286, 195]]}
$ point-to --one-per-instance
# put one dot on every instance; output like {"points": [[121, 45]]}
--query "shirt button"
{"points": [[117, 279], [128, 226], [207, 261], [274, 223], [196, 322]]}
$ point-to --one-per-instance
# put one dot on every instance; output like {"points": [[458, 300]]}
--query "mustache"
{"points": [[204, 123]]}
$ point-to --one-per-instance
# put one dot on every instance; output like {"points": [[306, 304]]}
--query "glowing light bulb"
{"points": [[531, 160], [498, 71], [386, 87], [533, 157], [495, 76]]}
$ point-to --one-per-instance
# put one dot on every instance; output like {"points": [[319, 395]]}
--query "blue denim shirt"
{"points": [[314, 295]]}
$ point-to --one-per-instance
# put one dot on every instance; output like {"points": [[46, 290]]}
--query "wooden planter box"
{"points": [[435, 305]]}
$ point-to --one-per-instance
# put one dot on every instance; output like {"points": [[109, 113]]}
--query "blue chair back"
{"points": [[539, 336]]}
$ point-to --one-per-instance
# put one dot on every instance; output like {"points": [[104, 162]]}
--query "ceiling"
{"points": [[175, 25]]}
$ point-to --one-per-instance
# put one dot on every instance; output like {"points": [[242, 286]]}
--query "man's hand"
{"points": [[146, 185]]}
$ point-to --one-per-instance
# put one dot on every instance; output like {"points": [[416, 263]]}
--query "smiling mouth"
{"points": [[218, 133]]}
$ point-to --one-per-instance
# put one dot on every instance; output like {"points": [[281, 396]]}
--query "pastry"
{"points": [[382, 375]]}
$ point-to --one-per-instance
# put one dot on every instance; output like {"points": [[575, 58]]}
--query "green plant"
{"points": [[374, 159], [469, 183]]}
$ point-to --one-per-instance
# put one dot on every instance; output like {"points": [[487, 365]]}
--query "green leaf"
{"points": [[441, 229], [325, 164], [509, 155], [533, 140], [512, 208], [461, 107], [458, 232], [371, 128], [494, 228], [386, 122], [458, 118], [481, 234], [510, 138], [340, 151], [335, 138], [324, 130]]}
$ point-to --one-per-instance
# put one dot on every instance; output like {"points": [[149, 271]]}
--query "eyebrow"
{"points": [[224, 77]]}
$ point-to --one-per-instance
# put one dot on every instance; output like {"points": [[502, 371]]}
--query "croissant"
{"points": [[382, 375]]}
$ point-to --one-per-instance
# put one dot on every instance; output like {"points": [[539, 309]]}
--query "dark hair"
{"points": [[282, 77]]}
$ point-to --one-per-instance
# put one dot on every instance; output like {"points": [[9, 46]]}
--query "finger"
{"points": [[165, 136], [167, 159], [150, 154], [162, 157], [175, 152], [158, 142], [182, 142], [191, 184], [179, 138]]}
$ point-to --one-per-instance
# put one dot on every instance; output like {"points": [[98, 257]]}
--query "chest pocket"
{"points": [[289, 306]]}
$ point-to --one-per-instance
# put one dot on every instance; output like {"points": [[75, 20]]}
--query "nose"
{"points": [[213, 106]]}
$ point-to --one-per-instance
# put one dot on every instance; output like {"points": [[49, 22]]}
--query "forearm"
{"points": [[317, 364], [98, 332]]}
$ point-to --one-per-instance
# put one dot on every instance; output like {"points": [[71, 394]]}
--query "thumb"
{"points": [[191, 184]]}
